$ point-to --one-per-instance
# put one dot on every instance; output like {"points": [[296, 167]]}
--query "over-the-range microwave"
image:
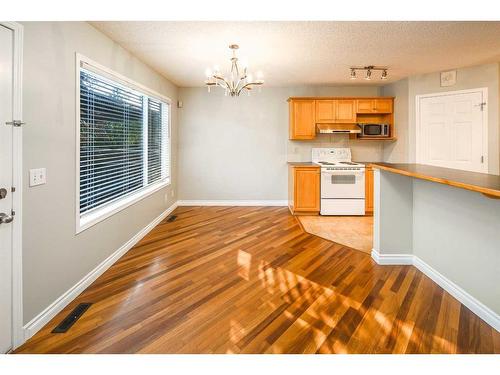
{"points": [[374, 130]]}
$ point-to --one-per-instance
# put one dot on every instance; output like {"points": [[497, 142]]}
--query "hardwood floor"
{"points": [[250, 280]]}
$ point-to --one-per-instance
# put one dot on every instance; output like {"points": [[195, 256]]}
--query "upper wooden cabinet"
{"points": [[374, 106], [346, 111], [302, 119], [325, 111], [305, 113], [383, 105], [364, 106], [336, 111]]}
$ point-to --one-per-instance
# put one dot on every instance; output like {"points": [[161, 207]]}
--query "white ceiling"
{"points": [[300, 53]]}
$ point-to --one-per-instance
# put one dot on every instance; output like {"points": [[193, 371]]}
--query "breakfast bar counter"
{"points": [[486, 184]]}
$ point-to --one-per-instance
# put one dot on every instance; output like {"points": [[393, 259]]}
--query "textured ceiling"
{"points": [[300, 53]]}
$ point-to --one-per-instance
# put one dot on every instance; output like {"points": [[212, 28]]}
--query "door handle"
{"points": [[5, 219], [16, 123], [3, 193]]}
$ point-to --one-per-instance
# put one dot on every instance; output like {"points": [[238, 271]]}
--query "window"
{"points": [[124, 143]]}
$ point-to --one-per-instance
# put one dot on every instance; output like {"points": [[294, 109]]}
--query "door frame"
{"points": [[18, 336], [418, 146]]}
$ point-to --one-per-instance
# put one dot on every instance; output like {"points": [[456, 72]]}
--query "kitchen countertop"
{"points": [[486, 184], [311, 164], [302, 164]]}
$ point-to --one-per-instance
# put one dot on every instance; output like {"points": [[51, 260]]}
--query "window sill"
{"points": [[86, 221]]}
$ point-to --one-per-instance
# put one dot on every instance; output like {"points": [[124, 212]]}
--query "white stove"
{"points": [[342, 182]]}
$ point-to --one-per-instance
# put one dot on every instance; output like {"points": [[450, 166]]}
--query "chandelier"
{"points": [[368, 69], [237, 82]]}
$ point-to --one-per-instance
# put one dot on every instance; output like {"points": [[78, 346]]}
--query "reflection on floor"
{"points": [[250, 280], [353, 231]]}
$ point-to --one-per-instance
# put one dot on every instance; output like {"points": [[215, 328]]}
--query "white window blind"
{"points": [[124, 141]]}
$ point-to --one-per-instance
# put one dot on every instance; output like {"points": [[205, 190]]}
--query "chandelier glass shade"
{"points": [[239, 81]]}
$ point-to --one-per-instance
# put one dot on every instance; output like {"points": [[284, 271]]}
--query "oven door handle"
{"points": [[343, 173]]}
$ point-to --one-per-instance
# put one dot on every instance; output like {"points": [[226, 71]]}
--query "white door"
{"points": [[6, 80], [452, 131]]}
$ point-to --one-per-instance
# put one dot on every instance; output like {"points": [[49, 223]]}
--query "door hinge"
{"points": [[13, 213], [13, 189], [482, 159], [16, 123]]}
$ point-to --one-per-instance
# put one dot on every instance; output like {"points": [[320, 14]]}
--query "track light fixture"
{"points": [[369, 69]]}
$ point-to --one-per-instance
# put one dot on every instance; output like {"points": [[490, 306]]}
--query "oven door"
{"points": [[343, 184]]}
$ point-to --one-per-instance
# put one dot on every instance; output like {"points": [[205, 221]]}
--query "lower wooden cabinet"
{"points": [[369, 191], [304, 190], [304, 186]]}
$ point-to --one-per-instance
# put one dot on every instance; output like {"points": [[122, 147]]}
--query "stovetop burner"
{"points": [[334, 158]]}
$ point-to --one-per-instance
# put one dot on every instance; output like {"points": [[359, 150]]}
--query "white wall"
{"points": [[54, 257], [237, 148]]}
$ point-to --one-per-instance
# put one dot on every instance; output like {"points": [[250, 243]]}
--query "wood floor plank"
{"points": [[250, 280]]}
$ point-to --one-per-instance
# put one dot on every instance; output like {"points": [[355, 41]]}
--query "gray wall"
{"points": [[457, 232], [237, 148], [454, 231], [54, 258], [393, 223], [397, 152], [467, 78]]}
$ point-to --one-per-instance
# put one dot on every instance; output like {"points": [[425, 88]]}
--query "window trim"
{"points": [[93, 217]]}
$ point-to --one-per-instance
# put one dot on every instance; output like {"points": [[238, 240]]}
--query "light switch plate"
{"points": [[38, 176]]}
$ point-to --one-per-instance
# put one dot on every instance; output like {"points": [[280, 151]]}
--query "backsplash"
{"points": [[361, 150]]}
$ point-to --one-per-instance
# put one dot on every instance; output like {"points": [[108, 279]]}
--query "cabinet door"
{"points": [[369, 190], [302, 121], [307, 196], [365, 106], [383, 105], [325, 111], [345, 111]]}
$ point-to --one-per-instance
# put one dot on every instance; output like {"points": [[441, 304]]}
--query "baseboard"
{"points": [[233, 203], [392, 259], [477, 307], [53, 309]]}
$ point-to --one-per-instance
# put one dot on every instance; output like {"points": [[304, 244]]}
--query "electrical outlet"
{"points": [[38, 176]]}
